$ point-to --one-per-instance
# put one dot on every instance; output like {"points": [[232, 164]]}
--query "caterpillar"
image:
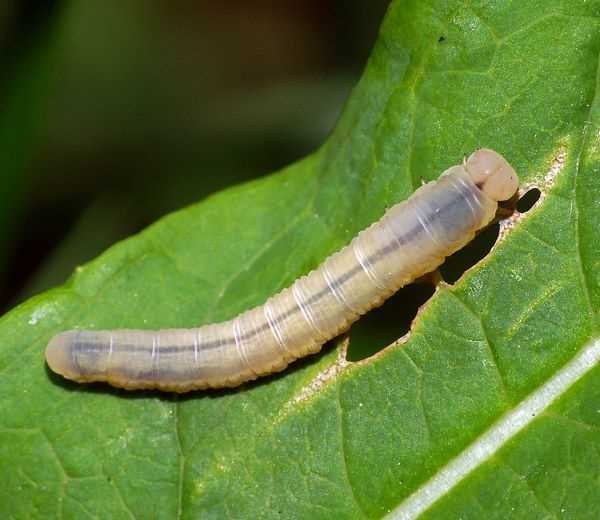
{"points": [[411, 239]]}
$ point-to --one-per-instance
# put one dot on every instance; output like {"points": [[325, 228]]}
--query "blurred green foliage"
{"points": [[116, 113]]}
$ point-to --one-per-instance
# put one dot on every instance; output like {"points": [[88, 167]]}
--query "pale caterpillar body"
{"points": [[412, 238]]}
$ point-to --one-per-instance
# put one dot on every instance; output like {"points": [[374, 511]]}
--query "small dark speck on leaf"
{"points": [[441, 39]]}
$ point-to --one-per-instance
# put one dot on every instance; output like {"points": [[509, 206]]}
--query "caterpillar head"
{"points": [[492, 174]]}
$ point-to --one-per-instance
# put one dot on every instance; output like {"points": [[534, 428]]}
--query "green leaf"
{"points": [[328, 438]]}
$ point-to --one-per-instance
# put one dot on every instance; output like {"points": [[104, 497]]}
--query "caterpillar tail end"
{"points": [[59, 356]]}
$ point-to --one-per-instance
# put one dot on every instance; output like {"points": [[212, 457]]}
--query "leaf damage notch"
{"points": [[548, 180], [556, 166], [321, 380]]}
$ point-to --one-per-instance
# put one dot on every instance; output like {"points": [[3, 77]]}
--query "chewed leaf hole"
{"points": [[527, 201], [382, 326], [455, 265]]}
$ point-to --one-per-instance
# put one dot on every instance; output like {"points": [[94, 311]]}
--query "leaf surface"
{"points": [[443, 79]]}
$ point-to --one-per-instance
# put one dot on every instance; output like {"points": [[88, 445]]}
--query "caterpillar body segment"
{"points": [[411, 239]]}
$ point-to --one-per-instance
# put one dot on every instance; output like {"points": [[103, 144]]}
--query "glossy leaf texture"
{"points": [[328, 439]]}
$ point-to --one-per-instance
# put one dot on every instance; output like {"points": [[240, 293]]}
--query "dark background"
{"points": [[115, 113]]}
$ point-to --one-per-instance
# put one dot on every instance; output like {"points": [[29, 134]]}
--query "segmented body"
{"points": [[411, 239]]}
